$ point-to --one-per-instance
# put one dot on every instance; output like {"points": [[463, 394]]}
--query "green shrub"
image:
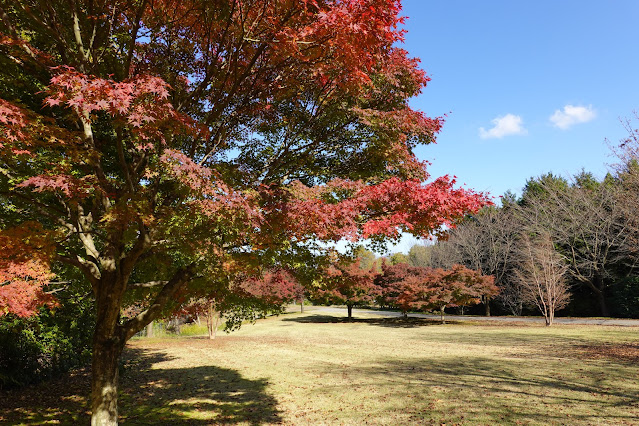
{"points": [[54, 341]]}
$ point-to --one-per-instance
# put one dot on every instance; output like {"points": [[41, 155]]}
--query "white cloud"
{"points": [[507, 125], [572, 115]]}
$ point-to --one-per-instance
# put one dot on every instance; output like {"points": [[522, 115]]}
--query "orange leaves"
{"points": [[24, 269], [21, 287], [416, 288]]}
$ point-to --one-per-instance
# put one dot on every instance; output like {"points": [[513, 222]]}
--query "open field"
{"points": [[317, 369]]}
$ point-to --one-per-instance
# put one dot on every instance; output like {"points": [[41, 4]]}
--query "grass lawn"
{"points": [[313, 369]]}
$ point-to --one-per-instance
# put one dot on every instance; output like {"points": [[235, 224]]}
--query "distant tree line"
{"points": [[398, 285], [565, 243]]}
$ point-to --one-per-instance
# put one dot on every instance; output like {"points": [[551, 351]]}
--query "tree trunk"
{"points": [[442, 314], [110, 337], [598, 286], [212, 321], [487, 305], [149, 329], [104, 381], [350, 311], [217, 323], [302, 304]]}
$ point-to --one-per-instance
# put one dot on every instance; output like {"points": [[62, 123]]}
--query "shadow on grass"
{"points": [[395, 322], [200, 395], [63, 401], [191, 395], [516, 392]]}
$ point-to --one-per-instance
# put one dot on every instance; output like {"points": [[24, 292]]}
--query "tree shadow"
{"points": [[63, 400], [200, 395], [505, 392], [394, 322]]}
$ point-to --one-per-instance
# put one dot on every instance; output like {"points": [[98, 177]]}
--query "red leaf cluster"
{"points": [[24, 270], [415, 288], [347, 283], [347, 209], [274, 287]]}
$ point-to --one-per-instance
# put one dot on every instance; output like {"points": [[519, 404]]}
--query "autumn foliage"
{"points": [[411, 288], [162, 142], [346, 283], [24, 270]]}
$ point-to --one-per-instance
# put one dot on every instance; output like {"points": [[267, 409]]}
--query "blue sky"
{"points": [[507, 67]]}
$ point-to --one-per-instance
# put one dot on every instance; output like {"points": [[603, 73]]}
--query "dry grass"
{"points": [[312, 369]]}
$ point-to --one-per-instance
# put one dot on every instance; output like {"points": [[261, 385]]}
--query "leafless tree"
{"points": [[587, 224], [542, 275], [484, 242], [627, 196]]}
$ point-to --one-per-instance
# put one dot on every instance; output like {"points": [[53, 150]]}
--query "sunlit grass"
{"points": [[322, 370], [193, 329], [312, 369]]}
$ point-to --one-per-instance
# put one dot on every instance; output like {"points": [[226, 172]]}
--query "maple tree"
{"points": [[345, 282], [161, 144], [459, 286], [24, 270], [404, 287], [413, 288]]}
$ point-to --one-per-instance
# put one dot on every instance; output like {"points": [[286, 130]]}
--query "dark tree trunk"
{"points": [[350, 311], [487, 305], [104, 381], [598, 287], [110, 337], [603, 306]]}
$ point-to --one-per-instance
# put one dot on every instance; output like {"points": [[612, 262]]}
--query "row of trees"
{"points": [[562, 244], [401, 286]]}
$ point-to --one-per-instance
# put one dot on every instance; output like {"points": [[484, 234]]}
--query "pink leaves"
{"points": [[12, 123], [68, 185], [140, 103]]}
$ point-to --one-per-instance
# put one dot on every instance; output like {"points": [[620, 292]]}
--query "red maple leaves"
{"points": [[353, 209], [24, 270], [414, 288]]}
